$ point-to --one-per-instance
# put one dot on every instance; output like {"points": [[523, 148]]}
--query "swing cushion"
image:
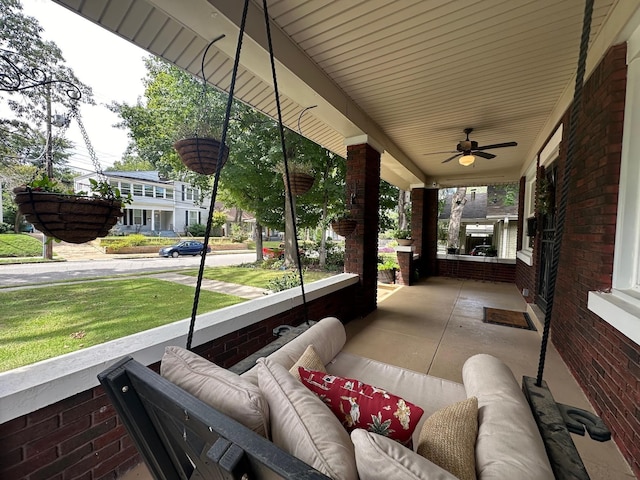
{"points": [[224, 390]]}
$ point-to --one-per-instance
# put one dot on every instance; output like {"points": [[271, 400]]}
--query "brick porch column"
{"points": [[424, 228], [361, 247]]}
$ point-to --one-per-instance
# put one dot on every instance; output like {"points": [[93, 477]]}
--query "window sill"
{"points": [[525, 256], [618, 309]]}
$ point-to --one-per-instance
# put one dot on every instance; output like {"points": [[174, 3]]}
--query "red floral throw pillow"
{"points": [[358, 405]]}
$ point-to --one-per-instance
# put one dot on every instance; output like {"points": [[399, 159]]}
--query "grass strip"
{"points": [[42, 323], [251, 276]]}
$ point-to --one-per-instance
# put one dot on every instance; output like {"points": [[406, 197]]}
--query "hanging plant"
{"points": [[73, 218], [344, 225], [198, 146], [301, 177], [545, 196]]}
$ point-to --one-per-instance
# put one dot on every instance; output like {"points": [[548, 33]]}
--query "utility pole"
{"points": [[47, 248]]}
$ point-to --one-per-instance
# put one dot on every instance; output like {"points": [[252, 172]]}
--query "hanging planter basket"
{"points": [[300, 182], [344, 226], [200, 154], [71, 218]]}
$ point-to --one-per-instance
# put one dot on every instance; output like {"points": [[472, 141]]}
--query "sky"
{"points": [[112, 67]]}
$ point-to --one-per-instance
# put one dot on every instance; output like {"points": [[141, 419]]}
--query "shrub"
{"points": [[287, 281], [197, 229], [238, 234], [5, 228]]}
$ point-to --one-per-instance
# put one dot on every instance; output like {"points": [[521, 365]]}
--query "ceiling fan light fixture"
{"points": [[467, 159]]}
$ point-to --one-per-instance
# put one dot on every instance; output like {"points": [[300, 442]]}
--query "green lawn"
{"points": [[19, 245], [40, 323], [253, 277]]}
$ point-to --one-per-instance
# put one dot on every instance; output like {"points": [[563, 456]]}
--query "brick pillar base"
{"points": [[405, 260], [361, 247]]}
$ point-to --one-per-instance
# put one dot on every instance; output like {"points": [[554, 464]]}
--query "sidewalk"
{"points": [[242, 291]]}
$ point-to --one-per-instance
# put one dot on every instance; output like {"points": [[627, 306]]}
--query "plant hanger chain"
{"points": [[75, 113]]}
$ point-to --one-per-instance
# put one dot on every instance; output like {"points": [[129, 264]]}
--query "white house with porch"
{"points": [[159, 205]]}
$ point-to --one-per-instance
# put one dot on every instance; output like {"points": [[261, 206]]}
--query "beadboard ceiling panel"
{"points": [[410, 75]]}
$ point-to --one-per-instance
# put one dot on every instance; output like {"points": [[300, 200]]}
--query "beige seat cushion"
{"points": [[309, 360], [303, 426], [448, 438], [225, 391], [380, 458], [509, 443]]}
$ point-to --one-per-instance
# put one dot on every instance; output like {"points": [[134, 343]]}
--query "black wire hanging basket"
{"points": [[200, 154], [70, 218]]}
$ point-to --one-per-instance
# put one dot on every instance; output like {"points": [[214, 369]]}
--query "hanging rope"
{"points": [[564, 192], [286, 163], [216, 180]]}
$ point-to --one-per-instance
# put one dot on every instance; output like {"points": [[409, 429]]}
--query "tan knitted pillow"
{"points": [[309, 360], [448, 438]]}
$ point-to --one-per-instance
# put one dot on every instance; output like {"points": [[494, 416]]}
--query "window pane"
{"points": [[137, 189], [148, 190], [169, 193], [125, 188], [159, 192]]}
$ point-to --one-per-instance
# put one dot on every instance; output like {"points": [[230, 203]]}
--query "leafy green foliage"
{"points": [[197, 229], [285, 282]]}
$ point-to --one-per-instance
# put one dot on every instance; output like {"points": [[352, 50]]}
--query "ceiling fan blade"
{"points": [[486, 155], [497, 145], [451, 158], [440, 153]]}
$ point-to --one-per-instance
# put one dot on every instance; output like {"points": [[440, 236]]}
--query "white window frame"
{"points": [[621, 307], [526, 253]]}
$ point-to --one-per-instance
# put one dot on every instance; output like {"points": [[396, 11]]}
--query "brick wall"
{"points": [[489, 271], [605, 362], [424, 228], [361, 247], [81, 438]]}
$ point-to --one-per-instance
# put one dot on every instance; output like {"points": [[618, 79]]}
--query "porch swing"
{"points": [[181, 437]]}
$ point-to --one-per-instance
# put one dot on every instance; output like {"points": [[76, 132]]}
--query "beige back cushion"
{"points": [[327, 337], [225, 391], [309, 360], [509, 443], [304, 426]]}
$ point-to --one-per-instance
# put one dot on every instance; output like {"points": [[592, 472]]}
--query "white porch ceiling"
{"points": [[408, 74]]}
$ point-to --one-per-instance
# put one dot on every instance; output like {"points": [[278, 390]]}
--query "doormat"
{"points": [[508, 318]]}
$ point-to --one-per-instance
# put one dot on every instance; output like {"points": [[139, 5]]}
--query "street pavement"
{"points": [[90, 263]]}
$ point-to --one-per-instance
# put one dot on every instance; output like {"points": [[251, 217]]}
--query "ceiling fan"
{"points": [[467, 150]]}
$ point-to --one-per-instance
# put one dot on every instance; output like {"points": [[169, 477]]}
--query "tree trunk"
{"points": [[403, 201], [258, 240], [457, 205]]}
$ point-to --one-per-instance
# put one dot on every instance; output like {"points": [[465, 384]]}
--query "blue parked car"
{"points": [[188, 247]]}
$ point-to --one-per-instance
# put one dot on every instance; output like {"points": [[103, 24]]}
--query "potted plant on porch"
{"points": [[387, 270], [68, 216], [403, 237]]}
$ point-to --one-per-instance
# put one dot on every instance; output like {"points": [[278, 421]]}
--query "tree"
{"points": [[41, 81], [22, 44], [250, 179], [457, 205], [388, 206], [131, 163]]}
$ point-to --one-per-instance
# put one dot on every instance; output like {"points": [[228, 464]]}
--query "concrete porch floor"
{"points": [[434, 326]]}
